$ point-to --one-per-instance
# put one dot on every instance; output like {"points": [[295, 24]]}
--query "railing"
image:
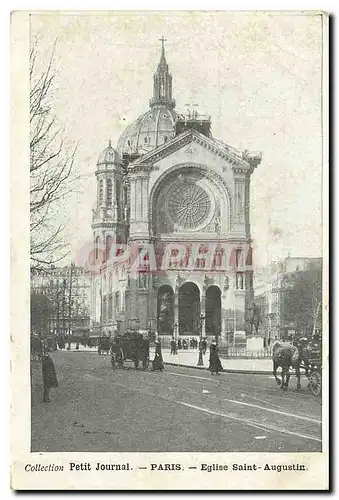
{"points": [[225, 351], [242, 352]]}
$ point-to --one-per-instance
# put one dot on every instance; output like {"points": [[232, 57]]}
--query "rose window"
{"points": [[188, 204]]}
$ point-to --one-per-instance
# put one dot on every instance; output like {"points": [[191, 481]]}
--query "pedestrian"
{"points": [[173, 345], [179, 344], [204, 346], [215, 363], [158, 361], [49, 377]]}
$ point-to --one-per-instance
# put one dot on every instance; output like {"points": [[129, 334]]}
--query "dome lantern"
{"points": [[109, 156], [157, 125], [162, 83]]}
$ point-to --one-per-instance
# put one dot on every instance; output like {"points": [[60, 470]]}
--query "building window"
{"points": [[142, 281], [104, 310], [118, 192], [109, 192], [96, 248], [110, 307], [101, 192], [240, 281]]}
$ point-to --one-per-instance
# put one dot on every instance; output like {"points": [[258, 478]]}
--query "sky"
{"points": [[257, 75]]}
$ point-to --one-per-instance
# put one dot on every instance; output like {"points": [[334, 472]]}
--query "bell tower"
{"points": [[108, 222]]}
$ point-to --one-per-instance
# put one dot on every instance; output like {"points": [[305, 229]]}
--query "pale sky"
{"points": [[258, 76]]}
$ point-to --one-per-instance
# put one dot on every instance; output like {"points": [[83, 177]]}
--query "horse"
{"points": [[285, 355]]}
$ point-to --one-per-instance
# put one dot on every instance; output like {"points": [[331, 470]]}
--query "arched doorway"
{"points": [[165, 310], [213, 311], [189, 309]]}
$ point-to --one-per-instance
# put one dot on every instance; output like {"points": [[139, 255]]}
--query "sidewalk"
{"points": [[236, 365], [190, 357]]}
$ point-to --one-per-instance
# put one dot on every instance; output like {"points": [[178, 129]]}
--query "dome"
{"points": [[150, 130], [109, 155]]}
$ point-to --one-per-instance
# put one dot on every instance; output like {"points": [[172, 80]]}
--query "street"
{"points": [[98, 409]]}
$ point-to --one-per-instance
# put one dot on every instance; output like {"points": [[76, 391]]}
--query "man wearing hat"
{"points": [[49, 377]]}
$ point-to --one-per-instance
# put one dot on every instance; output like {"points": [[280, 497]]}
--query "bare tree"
{"points": [[303, 299], [51, 167]]}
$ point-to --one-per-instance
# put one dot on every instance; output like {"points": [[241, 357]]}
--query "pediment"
{"points": [[192, 137]]}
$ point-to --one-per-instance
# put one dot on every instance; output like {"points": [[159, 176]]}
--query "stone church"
{"points": [[173, 206]]}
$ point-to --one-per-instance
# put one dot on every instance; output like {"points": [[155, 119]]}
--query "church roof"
{"points": [[109, 155], [243, 159], [150, 130]]}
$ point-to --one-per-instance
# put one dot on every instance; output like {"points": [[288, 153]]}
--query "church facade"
{"points": [[171, 227]]}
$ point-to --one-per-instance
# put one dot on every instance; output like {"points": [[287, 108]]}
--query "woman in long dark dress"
{"points": [[215, 363], [158, 362], [49, 377]]}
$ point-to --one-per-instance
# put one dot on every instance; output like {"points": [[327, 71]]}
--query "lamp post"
{"points": [[150, 327], [201, 322], [175, 330], [175, 335]]}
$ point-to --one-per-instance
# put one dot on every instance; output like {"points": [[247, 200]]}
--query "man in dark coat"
{"points": [[158, 362], [215, 363], [49, 377], [173, 345]]}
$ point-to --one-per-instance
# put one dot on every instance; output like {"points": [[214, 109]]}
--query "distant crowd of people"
{"points": [[184, 344]]}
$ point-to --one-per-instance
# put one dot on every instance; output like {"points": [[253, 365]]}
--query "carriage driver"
{"points": [[303, 353]]}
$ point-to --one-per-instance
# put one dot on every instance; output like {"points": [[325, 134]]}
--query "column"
{"points": [[224, 325], [203, 312], [239, 201], [133, 200], [139, 205], [176, 311]]}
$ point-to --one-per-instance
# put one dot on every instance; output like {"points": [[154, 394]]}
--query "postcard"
{"points": [[169, 294]]}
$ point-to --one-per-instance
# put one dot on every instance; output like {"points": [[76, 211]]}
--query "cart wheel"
{"points": [[315, 383], [136, 362], [145, 363]]}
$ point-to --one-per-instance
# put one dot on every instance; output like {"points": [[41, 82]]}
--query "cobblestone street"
{"points": [[96, 409]]}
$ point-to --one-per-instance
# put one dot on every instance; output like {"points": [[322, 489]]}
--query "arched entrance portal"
{"points": [[213, 311], [189, 309], [165, 312]]}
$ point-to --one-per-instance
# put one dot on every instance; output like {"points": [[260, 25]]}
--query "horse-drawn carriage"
{"points": [[300, 354], [130, 346], [311, 361], [104, 345]]}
